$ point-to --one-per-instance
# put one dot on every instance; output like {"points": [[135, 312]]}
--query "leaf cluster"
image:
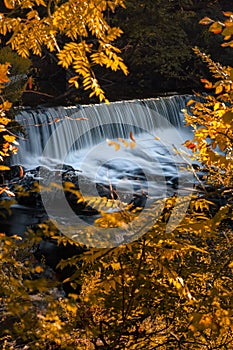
{"points": [[78, 32], [8, 143]]}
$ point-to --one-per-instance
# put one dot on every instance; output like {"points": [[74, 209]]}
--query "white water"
{"points": [[79, 136], [101, 122]]}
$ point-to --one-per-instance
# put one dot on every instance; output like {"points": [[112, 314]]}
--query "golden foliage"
{"points": [[83, 23], [7, 139], [211, 118], [3, 75], [223, 27]]}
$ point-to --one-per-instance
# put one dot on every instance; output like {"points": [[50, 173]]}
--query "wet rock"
{"points": [[54, 184]]}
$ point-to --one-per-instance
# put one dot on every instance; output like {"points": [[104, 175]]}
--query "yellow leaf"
{"points": [[3, 72], [116, 266], [9, 138], [8, 242], [4, 167], [132, 145], [208, 84], [4, 120], [115, 144], [125, 143], [218, 89], [190, 102], [216, 106], [6, 105]]}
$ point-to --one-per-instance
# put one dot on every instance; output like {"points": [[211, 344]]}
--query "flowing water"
{"points": [[131, 146], [79, 135]]}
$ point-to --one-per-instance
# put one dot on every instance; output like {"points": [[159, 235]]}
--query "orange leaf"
{"points": [[132, 145], [30, 81], [218, 89], [215, 28], [208, 84], [10, 4], [189, 144], [190, 102], [206, 20], [113, 143], [131, 136], [228, 13]]}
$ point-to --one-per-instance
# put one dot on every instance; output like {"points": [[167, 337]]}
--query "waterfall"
{"points": [[87, 125], [130, 147]]}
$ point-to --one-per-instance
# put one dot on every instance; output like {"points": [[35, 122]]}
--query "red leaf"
{"points": [[30, 83], [131, 136]]}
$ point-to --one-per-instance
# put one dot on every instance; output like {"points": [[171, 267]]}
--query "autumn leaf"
{"points": [[206, 20], [228, 13], [9, 138], [4, 167], [208, 84], [215, 28], [228, 118], [219, 89], [189, 145], [132, 145], [10, 4], [113, 143], [3, 73], [132, 137], [4, 120], [190, 102]]}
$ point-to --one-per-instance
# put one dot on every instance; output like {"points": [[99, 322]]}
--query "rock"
{"points": [[28, 193]]}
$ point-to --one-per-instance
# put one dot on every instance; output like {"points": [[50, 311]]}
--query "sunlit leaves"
{"points": [[208, 84], [206, 20], [117, 144], [8, 140], [215, 28], [225, 27], [10, 4], [30, 33], [4, 69]]}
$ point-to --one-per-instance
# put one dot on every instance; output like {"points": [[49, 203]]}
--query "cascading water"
{"points": [[104, 121], [129, 146]]}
